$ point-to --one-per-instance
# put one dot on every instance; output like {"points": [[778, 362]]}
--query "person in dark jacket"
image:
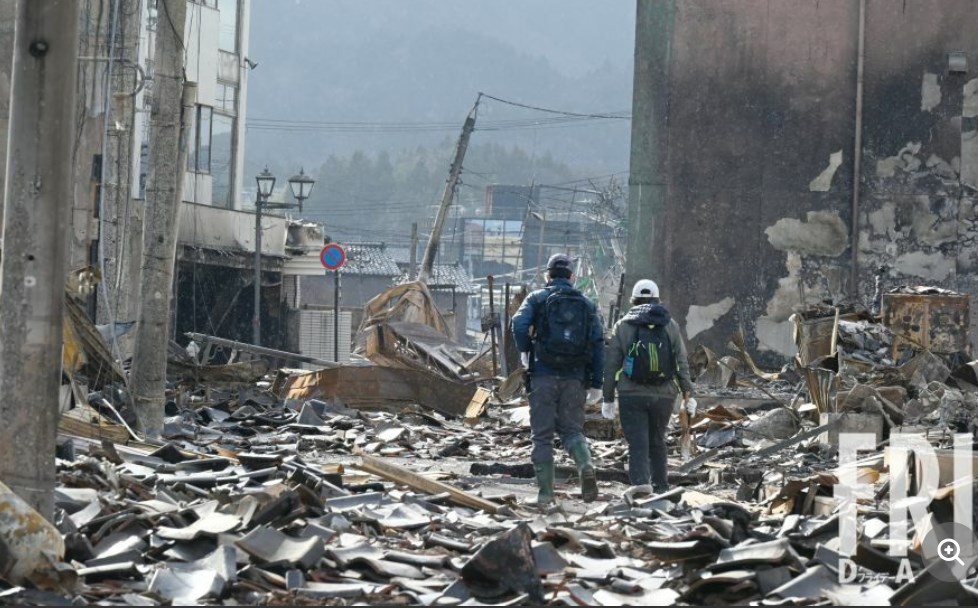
{"points": [[644, 409], [557, 394]]}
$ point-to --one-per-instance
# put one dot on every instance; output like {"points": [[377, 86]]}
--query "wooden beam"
{"points": [[398, 474], [83, 421], [478, 403], [376, 386]]}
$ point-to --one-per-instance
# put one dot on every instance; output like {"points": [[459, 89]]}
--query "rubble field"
{"points": [[275, 488]]}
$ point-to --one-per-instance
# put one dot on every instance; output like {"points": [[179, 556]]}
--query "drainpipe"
{"points": [[857, 153]]}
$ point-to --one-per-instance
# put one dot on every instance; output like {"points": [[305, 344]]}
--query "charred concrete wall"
{"points": [[742, 173]]}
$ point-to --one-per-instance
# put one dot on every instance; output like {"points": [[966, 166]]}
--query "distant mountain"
{"points": [[405, 62]]}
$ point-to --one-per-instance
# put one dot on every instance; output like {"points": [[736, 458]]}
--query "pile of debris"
{"points": [[404, 478]]}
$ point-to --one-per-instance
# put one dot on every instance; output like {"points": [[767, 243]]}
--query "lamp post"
{"points": [[301, 186], [266, 182]]}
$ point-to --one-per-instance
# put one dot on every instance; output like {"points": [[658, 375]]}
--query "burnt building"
{"points": [[783, 151]]}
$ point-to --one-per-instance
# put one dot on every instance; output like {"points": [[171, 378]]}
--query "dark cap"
{"points": [[558, 260]]}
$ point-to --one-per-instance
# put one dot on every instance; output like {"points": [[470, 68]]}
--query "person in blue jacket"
{"points": [[560, 386]]}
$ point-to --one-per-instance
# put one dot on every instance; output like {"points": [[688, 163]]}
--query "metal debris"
{"points": [[308, 489]]}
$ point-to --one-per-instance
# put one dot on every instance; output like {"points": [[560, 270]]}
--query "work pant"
{"points": [[644, 421], [556, 405]]}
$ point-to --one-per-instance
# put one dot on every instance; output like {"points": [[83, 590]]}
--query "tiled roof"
{"points": [[450, 274], [401, 254], [370, 259]]}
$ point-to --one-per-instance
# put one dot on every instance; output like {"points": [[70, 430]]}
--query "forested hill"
{"points": [[394, 79]]}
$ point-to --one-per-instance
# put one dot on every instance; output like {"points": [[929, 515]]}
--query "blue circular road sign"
{"points": [[332, 256]]}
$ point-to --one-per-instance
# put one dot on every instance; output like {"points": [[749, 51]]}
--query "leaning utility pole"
{"points": [[428, 261], [173, 102], [32, 270]]}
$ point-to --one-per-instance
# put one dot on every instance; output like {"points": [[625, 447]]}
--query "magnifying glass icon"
{"points": [[949, 550]]}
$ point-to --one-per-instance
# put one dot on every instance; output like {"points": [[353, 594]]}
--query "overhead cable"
{"points": [[618, 115]]}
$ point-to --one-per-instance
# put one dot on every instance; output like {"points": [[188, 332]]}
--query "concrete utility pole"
{"points": [[32, 271], [120, 223], [8, 18], [173, 103], [413, 268], [542, 216], [428, 261]]}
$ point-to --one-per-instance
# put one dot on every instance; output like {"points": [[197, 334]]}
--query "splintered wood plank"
{"points": [[85, 422], [359, 386], [398, 474], [478, 403]]}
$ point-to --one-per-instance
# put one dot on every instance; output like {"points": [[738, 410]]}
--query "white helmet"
{"points": [[645, 288]]}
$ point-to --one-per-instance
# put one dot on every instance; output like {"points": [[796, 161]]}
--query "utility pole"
{"points": [[428, 261], [8, 18], [32, 270], [173, 103], [413, 269], [542, 216], [119, 224]]}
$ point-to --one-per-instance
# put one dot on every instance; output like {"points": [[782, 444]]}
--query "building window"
{"points": [[199, 154], [493, 246], [228, 37], [225, 98], [222, 159]]}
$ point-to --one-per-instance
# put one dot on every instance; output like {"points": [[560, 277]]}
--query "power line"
{"points": [[618, 115], [586, 179], [288, 126]]}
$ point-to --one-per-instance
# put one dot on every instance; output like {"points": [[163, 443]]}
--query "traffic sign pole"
{"points": [[336, 315], [333, 257]]}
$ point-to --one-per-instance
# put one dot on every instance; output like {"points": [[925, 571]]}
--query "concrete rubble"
{"points": [[285, 490]]}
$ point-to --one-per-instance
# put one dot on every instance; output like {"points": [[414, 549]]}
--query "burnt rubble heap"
{"points": [[265, 493]]}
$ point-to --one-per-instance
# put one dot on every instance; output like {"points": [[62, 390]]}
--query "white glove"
{"points": [[609, 409], [593, 395], [525, 359], [690, 405]]}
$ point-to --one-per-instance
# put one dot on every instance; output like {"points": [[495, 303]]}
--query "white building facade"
{"points": [[216, 37]]}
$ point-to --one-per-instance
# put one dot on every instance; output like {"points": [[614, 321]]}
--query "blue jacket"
{"points": [[525, 318]]}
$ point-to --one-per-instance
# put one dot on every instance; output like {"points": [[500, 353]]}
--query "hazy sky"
{"points": [[413, 61], [575, 36]]}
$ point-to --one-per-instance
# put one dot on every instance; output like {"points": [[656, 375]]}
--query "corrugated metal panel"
{"points": [[303, 265], [316, 334]]}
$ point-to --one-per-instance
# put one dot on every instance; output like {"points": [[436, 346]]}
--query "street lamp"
{"points": [[301, 186]]}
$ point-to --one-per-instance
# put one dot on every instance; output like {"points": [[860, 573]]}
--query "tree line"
{"points": [[380, 195]]}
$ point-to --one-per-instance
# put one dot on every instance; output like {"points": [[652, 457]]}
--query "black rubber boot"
{"points": [[545, 482], [589, 482]]}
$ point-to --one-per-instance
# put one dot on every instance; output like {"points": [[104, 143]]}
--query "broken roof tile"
{"points": [[272, 548]]}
